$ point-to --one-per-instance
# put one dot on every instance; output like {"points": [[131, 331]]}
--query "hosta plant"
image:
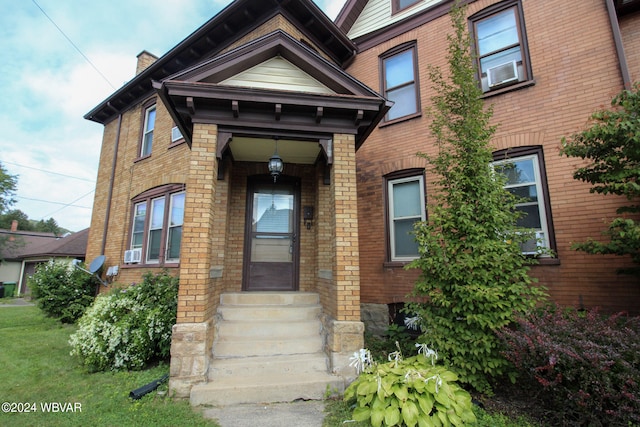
{"points": [[408, 392]]}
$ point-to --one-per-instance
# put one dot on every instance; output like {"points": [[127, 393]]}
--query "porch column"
{"points": [[202, 240], [345, 330]]}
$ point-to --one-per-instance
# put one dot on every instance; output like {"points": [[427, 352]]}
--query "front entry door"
{"points": [[271, 244]]}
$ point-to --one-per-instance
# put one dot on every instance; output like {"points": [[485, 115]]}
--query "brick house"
{"points": [[279, 269]]}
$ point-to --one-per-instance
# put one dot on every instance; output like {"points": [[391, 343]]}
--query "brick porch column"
{"points": [[345, 330], [201, 253]]}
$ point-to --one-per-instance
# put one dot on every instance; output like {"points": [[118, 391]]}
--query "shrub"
{"points": [[62, 291], [127, 328], [408, 392], [585, 367]]}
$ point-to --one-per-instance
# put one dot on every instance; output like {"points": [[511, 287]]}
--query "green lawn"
{"points": [[36, 371]]}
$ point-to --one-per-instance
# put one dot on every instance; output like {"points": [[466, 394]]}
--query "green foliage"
{"points": [[612, 145], [474, 277], [62, 291], [583, 367], [129, 327], [410, 392], [8, 185]]}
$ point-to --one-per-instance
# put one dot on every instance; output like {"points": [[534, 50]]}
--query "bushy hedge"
{"points": [[127, 328], [583, 367], [62, 291]]}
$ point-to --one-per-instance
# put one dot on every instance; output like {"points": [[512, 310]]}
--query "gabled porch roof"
{"points": [[199, 94]]}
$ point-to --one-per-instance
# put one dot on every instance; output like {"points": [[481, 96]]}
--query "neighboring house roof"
{"points": [[30, 244], [234, 21]]}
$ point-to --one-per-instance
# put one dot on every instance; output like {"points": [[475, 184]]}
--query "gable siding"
{"points": [[377, 14], [279, 74]]}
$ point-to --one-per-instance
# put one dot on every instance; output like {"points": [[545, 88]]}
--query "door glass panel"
{"points": [[272, 226]]}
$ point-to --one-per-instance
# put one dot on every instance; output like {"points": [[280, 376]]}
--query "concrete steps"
{"points": [[268, 348]]}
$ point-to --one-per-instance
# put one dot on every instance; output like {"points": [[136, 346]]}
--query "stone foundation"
{"points": [[343, 338], [190, 356], [375, 318]]}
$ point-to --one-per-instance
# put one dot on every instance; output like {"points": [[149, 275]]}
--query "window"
{"points": [[157, 224], [176, 135], [400, 83], [523, 171], [500, 44], [399, 5], [147, 134], [406, 206]]}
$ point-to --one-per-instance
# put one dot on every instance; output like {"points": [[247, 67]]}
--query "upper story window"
{"points": [[405, 207], [400, 82], [176, 135], [500, 44], [399, 5], [147, 131], [524, 174], [156, 233]]}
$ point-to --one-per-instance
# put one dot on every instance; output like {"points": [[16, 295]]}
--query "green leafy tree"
{"points": [[612, 146], [474, 277], [17, 215], [49, 226], [8, 184]]}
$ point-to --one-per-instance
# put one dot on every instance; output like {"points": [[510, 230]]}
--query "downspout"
{"points": [[111, 181], [617, 38]]}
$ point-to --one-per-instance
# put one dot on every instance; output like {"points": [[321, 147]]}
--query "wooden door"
{"points": [[271, 244]]}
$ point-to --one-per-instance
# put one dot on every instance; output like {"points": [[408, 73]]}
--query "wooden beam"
{"points": [[278, 111], [191, 106], [359, 117], [319, 113]]}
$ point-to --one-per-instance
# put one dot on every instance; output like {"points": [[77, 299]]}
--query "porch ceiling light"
{"points": [[276, 165]]}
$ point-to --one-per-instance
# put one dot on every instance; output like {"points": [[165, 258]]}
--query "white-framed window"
{"points": [[176, 135], [406, 206], [400, 81], [500, 45], [147, 134], [157, 220], [524, 178]]}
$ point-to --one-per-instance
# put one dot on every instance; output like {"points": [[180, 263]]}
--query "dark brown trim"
{"points": [[397, 50], [538, 151], [375, 38], [522, 38]]}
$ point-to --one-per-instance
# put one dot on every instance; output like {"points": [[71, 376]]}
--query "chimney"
{"points": [[14, 228], [144, 60]]}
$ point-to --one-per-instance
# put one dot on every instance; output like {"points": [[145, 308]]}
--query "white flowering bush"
{"points": [[129, 327], [407, 392], [62, 291]]}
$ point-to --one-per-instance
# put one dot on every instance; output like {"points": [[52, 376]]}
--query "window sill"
{"points": [[547, 261], [141, 158], [141, 265], [509, 88], [400, 119], [177, 143], [395, 264]]}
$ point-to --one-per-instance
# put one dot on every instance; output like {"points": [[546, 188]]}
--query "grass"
{"points": [[35, 368]]}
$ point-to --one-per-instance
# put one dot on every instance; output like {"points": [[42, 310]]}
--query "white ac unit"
{"points": [[503, 73], [133, 256], [530, 247]]}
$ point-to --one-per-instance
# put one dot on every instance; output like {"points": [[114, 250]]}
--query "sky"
{"points": [[60, 59]]}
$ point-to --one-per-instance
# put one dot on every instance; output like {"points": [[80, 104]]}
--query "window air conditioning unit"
{"points": [[133, 256], [530, 247], [503, 73]]}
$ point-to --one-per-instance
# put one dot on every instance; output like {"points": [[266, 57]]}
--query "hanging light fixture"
{"points": [[276, 165]]}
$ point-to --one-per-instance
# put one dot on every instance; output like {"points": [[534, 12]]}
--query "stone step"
{"points": [[234, 330], [248, 313], [224, 348], [269, 298], [298, 365], [265, 389]]}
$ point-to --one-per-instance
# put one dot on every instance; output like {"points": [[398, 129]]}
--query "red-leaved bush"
{"points": [[584, 367]]}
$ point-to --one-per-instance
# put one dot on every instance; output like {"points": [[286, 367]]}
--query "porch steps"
{"points": [[268, 348]]}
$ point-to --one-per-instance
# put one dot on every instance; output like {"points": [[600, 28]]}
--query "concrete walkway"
{"points": [[14, 302], [308, 413]]}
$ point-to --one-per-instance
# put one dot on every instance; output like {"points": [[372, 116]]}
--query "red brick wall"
{"points": [[574, 75]]}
